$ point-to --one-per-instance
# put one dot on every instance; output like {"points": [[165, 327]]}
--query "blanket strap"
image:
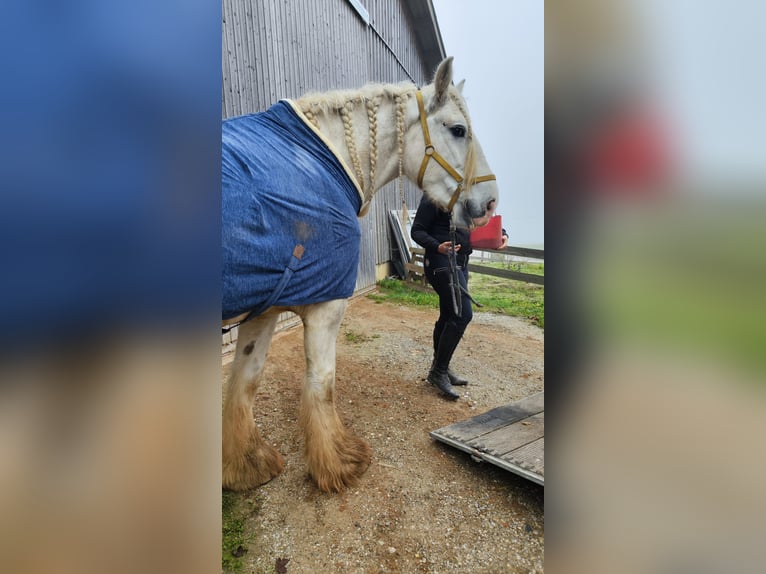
{"points": [[298, 251]]}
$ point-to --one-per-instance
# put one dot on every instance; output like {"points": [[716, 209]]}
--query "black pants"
{"points": [[438, 275]]}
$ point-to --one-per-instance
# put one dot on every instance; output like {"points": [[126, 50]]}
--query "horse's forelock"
{"points": [[469, 172], [457, 98], [470, 167]]}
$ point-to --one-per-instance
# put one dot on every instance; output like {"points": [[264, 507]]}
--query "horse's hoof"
{"points": [[344, 467], [254, 468]]}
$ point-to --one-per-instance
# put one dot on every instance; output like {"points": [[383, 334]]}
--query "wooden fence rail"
{"points": [[520, 251], [508, 273], [415, 267]]}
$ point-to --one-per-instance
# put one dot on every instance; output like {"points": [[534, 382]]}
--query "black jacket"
{"points": [[431, 228]]}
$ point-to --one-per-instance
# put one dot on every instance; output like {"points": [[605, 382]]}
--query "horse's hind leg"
{"points": [[335, 457], [247, 460]]}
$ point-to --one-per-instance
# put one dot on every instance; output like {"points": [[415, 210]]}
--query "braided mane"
{"points": [[343, 102]]}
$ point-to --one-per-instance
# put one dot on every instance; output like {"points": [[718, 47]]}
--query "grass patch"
{"points": [[522, 267], [397, 291], [507, 297], [498, 295], [234, 541], [358, 338]]}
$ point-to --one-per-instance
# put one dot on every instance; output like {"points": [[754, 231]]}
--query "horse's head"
{"points": [[444, 156]]}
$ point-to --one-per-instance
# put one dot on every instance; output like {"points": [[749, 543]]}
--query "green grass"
{"points": [[358, 338], [397, 291], [508, 297], [233, 537], [498, 295]]}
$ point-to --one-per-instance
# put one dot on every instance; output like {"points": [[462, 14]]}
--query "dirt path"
{"points": [[421, 506]]}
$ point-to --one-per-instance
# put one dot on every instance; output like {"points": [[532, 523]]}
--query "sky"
{"points": [[498, 50]]}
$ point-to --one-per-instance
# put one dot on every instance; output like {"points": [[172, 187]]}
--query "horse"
{"points": [[406, 128]]}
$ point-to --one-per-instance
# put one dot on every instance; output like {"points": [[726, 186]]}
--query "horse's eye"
{"points": [[458, 131]]}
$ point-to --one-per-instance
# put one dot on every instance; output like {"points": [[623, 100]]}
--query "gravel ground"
{"points": [[421, 506]]}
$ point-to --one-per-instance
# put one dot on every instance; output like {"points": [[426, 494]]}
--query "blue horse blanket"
{"points": [[289, 209]]}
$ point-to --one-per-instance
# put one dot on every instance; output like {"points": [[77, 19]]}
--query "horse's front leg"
{"points": [[247, 460], [335, 457]]}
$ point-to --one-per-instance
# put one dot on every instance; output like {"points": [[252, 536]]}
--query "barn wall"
{"points": [[274, 49]]}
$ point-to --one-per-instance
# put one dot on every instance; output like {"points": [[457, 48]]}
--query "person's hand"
{"points": [[446, 247], [504, 242]]}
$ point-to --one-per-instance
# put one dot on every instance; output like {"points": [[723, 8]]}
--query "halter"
{"points": [[431, 153]]}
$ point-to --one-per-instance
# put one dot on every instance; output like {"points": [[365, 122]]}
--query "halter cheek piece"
{"points": [[431, 153], [456, 289]]}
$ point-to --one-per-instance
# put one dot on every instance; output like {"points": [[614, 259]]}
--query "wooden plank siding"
{"points": [[274, 49], [511, 437]]}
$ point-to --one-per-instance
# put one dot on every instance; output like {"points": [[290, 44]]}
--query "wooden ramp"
{"points": [[511, 437]]}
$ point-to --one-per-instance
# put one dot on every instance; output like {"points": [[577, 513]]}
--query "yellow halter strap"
{"points": [[431, 153]]}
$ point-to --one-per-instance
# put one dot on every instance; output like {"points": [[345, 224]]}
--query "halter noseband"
{"points": [[430, 152]]}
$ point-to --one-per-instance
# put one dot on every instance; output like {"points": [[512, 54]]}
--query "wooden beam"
{"points": [[520, 251], [507, 274]]}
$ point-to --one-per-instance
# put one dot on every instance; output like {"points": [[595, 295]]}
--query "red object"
{"points": [[631, 153], [489, 236]]}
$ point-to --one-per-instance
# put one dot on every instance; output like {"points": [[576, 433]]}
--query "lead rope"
{"points": [[456, 289], [454, 279]]}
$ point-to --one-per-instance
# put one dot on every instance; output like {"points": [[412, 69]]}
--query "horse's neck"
{"points": [[362, 127]]}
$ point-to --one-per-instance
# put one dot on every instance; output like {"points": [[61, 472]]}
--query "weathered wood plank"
{"points": [[531, 456], [510, 437], [510, 466], [520, 251], [520, 465], [498, 417]]}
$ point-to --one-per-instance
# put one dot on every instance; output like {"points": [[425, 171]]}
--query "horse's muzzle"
{"points": [[480, 213]]}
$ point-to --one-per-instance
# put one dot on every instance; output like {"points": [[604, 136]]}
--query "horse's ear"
{"points": [[442, 81], [460, 86]]}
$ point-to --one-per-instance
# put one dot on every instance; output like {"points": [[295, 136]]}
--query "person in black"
{"points": [[431, 230]]}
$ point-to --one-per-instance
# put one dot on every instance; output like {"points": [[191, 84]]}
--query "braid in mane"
{"points": [[348, 131], [372, 117], [400, 103], [311, 117]]}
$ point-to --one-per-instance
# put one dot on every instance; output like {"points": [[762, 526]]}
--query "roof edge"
{"points": [[428, 34]]}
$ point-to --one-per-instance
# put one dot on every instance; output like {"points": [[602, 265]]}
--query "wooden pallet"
{"points": [[511, 437], [415, 270]]}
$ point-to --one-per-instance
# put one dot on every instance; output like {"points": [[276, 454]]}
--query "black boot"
{"points": [[440, 380], [439, 373], [455, 380]]}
